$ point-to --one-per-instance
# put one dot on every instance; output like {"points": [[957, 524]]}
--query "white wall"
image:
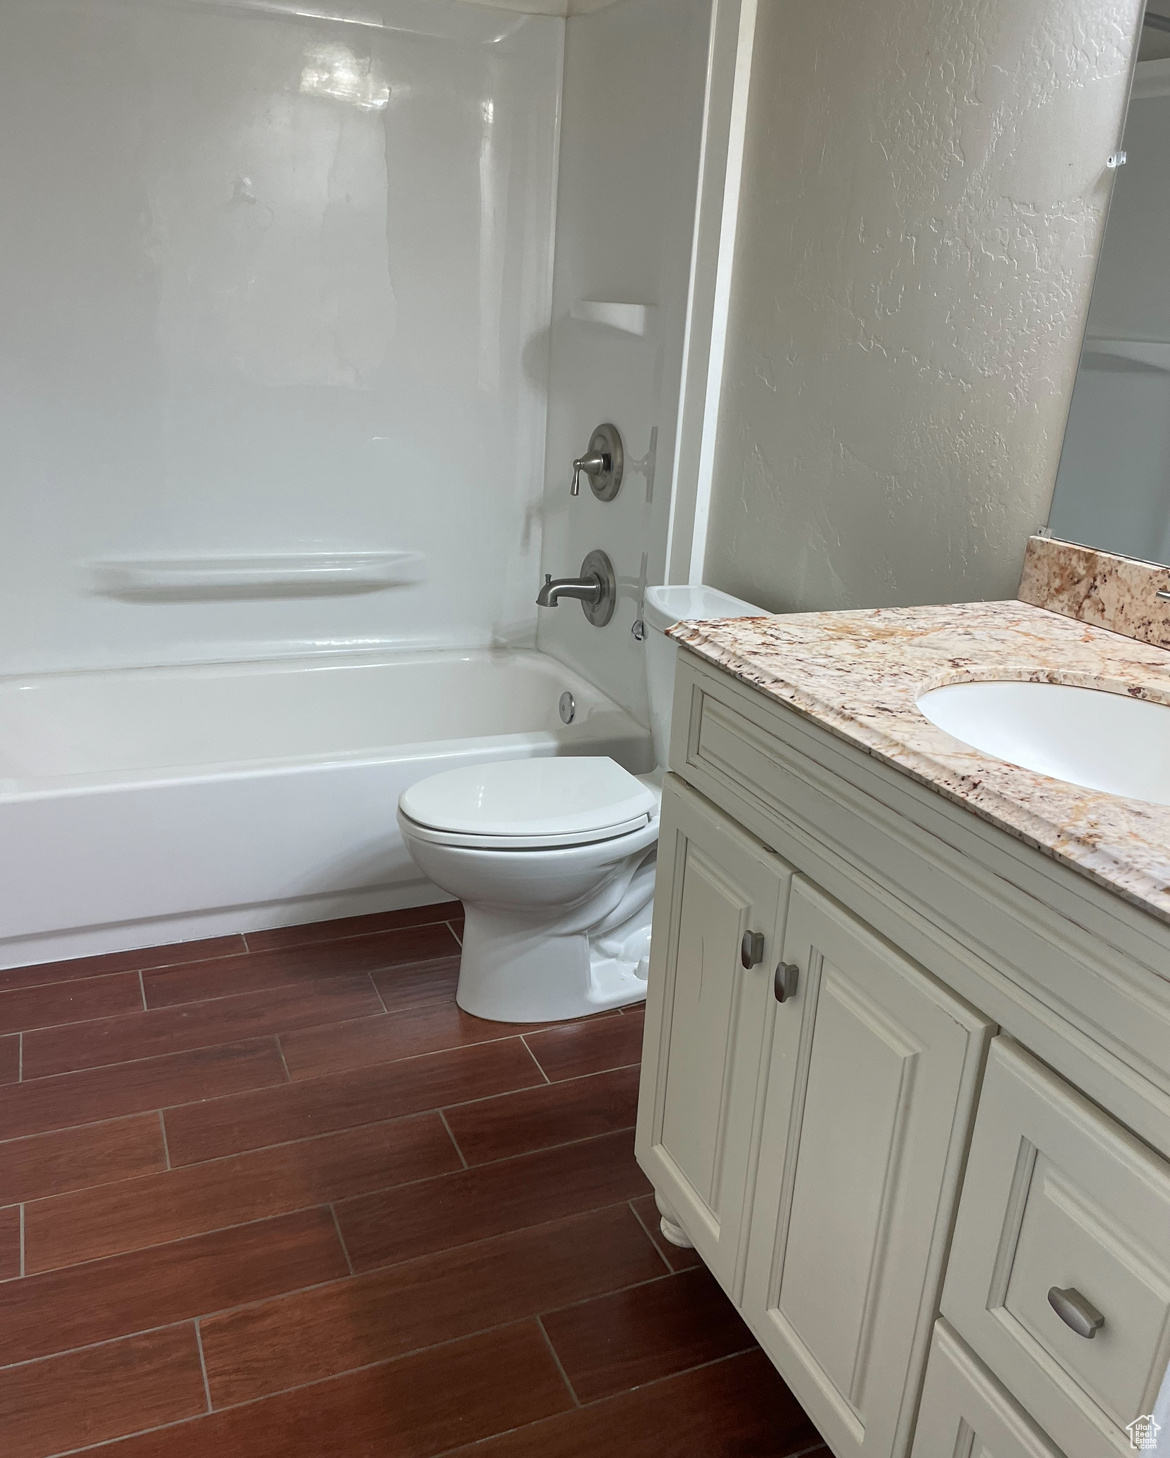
{"points": [[271, 283], [634, 90], [923, 197]]}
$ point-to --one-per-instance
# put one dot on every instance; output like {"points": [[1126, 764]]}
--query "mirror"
{"points": [[1113, 486]]}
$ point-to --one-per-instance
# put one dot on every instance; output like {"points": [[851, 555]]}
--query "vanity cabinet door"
{"points": [[965, 1412], [872, 1080], [706, 1016]]}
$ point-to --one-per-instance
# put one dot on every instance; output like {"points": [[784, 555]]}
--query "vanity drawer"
{"points": [[962, 1401], [1059, 1199]]}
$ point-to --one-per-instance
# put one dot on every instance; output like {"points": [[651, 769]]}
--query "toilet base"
{"points": [[517, 969]]}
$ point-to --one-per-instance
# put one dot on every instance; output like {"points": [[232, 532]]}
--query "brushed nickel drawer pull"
{"points": [[751, 949], [1077, 1314], [786, 981]]}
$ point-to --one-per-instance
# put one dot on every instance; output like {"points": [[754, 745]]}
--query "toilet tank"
{"points": [[663, 607]]}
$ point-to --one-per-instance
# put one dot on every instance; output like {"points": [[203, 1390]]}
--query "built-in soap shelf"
{"points": [[638, 319], [300, 574]]}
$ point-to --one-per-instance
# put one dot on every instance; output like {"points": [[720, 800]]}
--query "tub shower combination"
{"points": [[151, 805]]}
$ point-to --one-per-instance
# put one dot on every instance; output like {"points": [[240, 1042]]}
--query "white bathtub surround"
{"points": [[306, 313], [153, 805], [554, 863]]}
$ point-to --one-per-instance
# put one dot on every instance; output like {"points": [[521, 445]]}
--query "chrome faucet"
{"points": [[588, 589]]}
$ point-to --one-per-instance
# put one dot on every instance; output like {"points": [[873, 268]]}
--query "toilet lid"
{"points": [[526, 802]]}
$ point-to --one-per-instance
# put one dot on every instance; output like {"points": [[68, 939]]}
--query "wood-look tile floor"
{"points": [[277, 1197]]}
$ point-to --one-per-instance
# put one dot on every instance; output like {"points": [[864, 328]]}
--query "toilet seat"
{"points": [[529, 804]]}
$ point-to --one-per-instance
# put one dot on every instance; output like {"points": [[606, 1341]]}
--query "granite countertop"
{"points": [[860, 673]]}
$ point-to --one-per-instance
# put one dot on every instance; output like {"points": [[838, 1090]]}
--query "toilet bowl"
{"points": [[554, 859]]}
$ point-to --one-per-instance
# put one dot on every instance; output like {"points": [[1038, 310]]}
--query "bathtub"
{"points": [[151, 805]]}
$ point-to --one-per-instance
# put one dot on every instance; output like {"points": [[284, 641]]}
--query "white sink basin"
{"points": [[1086, 737]]}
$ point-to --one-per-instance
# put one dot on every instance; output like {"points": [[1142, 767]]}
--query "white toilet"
{"points": [[553, 859]]}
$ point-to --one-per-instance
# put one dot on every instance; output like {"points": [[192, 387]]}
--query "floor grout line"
{"points": [[560, 1366], [454, 1141], [405, 1356], [203, 1363], [653, 1242], [454, 933], [340, 1237], [323, 1134], [291, 1083], [535, 1059], [263, 1037], [256, 992], [372, 1271], [114, 972], [297, 1291], [21, 1220], [141, 990], [20, 1057], [378, 991], [319, 1204], [162, 1124], [807, 1452], [817, 1447]]}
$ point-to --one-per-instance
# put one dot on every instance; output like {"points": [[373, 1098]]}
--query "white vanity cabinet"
{"points": [[935, 1088]]}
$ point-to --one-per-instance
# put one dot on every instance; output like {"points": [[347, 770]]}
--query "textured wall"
{"points": [[924, 194]]}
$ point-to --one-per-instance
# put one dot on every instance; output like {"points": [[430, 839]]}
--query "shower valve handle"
{"points": [[595, 463]]}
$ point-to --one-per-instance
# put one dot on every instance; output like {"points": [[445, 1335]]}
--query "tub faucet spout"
{"points": [[587, 589]]}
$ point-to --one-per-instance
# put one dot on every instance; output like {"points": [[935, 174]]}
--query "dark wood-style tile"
{"points": [[620, 1341], [69, 1002], [419, 1405], [203, 1197], [196, 1025], [575, 1049], [419, 982], [9, 1242], [677, 1257], [133, 961], [130, 1088], [40, 1315], [101, 1392], [347, 1324], [73, 1159], [366, 1096], [403, 1032], [538, 1118], [396, 1225], [737, 1408], [10, 1058], [352, 926], [297, 966]]}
